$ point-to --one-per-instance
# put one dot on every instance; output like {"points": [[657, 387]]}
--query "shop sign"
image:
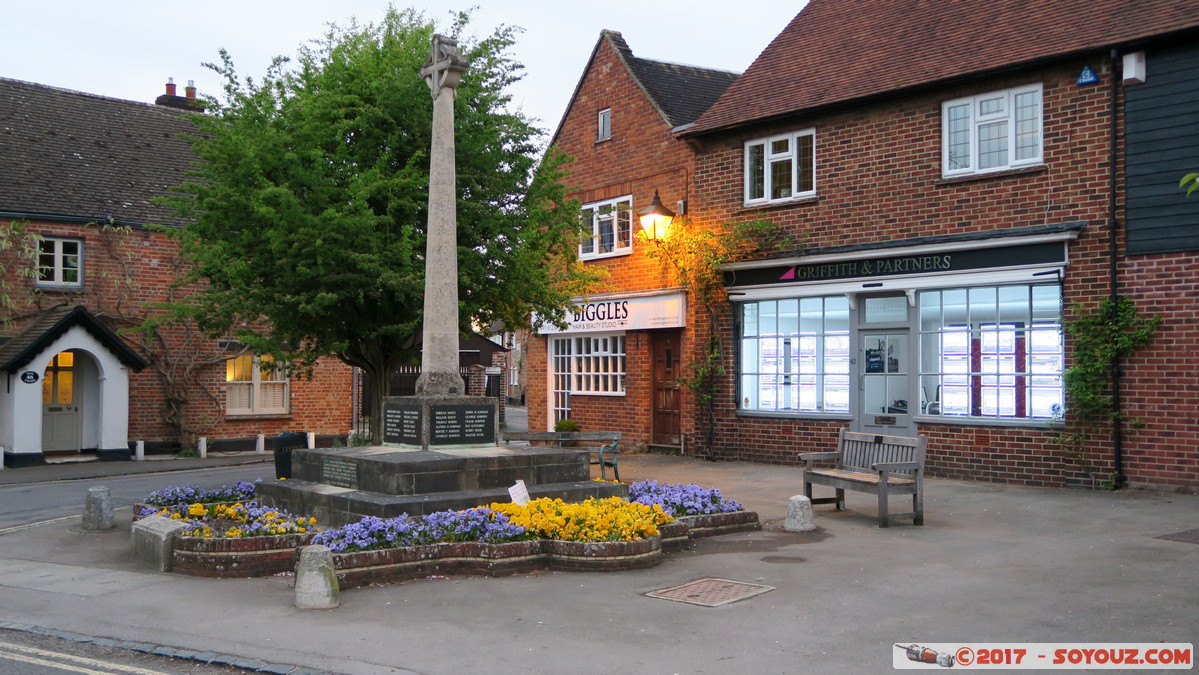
{"points": [[908, 265], [617, 314]]}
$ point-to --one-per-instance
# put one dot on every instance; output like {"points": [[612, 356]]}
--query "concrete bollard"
{"points": [[316, 582], [97, 510], [311, 440], [260, 444], [202, 447], [799, 515], [139, 451]]}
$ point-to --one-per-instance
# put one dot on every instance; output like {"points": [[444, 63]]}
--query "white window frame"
{"points": [[1019, 126], [603, 126], [614, 213], [770, 155], [597, 364], [54, 263], [786, 366], [267, 392]]}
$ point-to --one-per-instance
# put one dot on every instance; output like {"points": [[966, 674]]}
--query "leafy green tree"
{"points": [[309, 209]]}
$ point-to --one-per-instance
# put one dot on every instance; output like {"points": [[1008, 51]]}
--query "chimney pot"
{"points": [[170, 86], [191, 89]]}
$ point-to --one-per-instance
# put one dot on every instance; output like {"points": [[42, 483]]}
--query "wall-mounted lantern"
{"points": [[656, 219]]}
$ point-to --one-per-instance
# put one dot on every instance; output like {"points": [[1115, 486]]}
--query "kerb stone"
{"points": [[153, 541], [799, 515], [316, 582], [97, 510]]}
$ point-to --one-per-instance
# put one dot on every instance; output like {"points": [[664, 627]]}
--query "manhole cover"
{"points": [[711, 592], [1190, 536]]}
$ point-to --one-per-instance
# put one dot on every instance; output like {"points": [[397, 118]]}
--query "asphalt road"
{"points": [[30, 654], [22, 504]]}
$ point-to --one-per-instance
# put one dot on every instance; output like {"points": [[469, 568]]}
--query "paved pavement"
{"points": [[994, 563]]}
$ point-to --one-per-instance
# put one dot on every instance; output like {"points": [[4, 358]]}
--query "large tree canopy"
{"points": [[309, 209]]}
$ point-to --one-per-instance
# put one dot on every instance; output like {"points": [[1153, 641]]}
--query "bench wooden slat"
{"points": [[871, 463]]}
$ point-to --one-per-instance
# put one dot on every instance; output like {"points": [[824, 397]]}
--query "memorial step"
{"points": [[335, 506], [400, 471]]}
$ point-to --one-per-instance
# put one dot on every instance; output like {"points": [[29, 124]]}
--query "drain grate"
{"points": [[1189, 536], [711, 592]]}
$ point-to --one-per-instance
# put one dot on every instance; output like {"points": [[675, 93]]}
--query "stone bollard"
{"points": [[316, 582], [799, 515], [97, 510]]}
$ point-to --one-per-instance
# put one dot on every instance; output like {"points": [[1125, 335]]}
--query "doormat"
{"points": [[1189, 536], [711, 592]]}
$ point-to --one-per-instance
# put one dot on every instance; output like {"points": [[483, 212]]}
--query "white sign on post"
{"points": [[519, 493]]}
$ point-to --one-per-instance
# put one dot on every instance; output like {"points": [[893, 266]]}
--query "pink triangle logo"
{"points": [[789, 274]]}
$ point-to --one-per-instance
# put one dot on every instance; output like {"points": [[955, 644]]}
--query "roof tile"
{"points": [[836, 51]]}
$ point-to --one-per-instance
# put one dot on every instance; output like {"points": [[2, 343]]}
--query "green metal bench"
{"points": [[607, 456]]}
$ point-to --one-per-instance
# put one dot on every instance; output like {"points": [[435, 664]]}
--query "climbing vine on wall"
{"points": [[696, 254], [1102, 336], [18, 256]]}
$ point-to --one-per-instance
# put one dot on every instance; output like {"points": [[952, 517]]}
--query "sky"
{"points": [[128, 48]]}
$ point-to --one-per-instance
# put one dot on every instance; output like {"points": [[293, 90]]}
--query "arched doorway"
{"points": [[71, 402]]}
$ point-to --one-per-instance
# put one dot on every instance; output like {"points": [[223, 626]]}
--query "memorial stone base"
{"points": [[342, 485]]}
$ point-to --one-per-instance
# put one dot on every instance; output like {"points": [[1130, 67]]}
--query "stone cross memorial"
{"points": [[439, 447], [440, 414]]}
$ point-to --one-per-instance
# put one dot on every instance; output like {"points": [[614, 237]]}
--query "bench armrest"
{"points": [[895, 466]]}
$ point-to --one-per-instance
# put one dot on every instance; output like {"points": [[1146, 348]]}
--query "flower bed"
{"points": [[245, 539], [175, 495]]}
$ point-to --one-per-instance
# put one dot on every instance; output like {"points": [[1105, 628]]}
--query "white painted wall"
{"points": [[103, 392]]}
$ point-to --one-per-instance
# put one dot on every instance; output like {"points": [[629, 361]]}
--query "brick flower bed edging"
{"points": [[240, 557], [603, 556], [712, 524], [410, 562], [267, 555], [675, 536]]}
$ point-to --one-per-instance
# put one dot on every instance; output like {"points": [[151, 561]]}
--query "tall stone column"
{"points": [[439, 358]]}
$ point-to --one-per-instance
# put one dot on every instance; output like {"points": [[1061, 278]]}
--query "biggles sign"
{"points": [[617, 314]]}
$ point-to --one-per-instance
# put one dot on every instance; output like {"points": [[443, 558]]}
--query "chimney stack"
{"points": [[172, 100]]}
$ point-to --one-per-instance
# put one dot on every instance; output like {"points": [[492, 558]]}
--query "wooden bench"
{"points": [[606, 456], [867, 462]]}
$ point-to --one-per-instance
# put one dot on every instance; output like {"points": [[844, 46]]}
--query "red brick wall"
{"points": [[126, 271], [642, 156]]}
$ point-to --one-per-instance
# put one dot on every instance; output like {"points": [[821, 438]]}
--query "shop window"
{"points": [[598, 365], [780, 168], [992, 132], [608, 228], [255, 385], [794, 355], [60, 263], [993, 352], [560, 375]]}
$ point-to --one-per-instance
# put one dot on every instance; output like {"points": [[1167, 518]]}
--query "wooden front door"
{"points": [[666, 388], [60, 405]]}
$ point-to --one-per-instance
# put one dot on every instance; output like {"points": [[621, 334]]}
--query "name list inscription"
{"points": [[461, 424], [401, 424], [339, 472]]}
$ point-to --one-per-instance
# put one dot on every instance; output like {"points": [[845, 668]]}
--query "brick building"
{"points": [[956, 175], [83, 172], [616, 367]]}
